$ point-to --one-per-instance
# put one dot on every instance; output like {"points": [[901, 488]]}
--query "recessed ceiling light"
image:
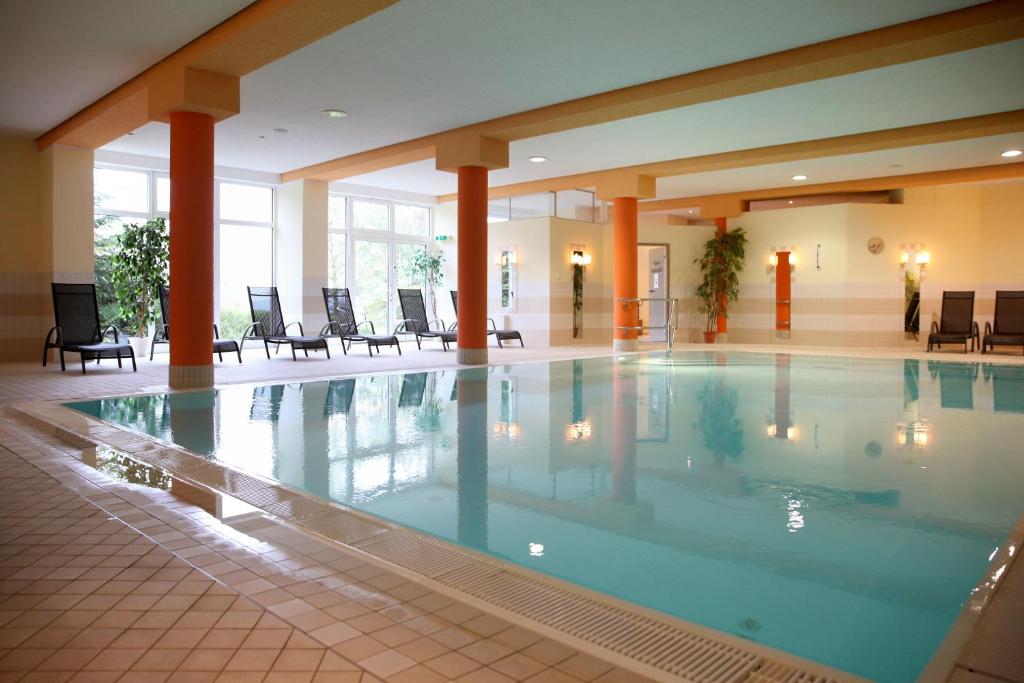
{"points": [[334, 113], [689, 211], [1011, 153], [281, 130], [537, 159], [799, 177], [790, 201], [895, 165], [261, 137]]}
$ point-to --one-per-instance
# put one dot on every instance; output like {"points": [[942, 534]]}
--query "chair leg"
{"points": [[327, 350], [238, 349], [62, 368], [399, 345], [521, 344], [266, 347], [82, 356], [418, 347], [135, 368], [118, 359], [152, 347], [220, 356], [305, 351], [293, 351], [46, 352]]}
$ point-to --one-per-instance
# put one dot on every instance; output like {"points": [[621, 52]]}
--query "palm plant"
{"points": [[720, 266]]}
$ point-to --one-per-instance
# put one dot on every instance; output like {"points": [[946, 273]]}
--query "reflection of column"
{"points": [[624, 400], [315, 437], [471, 431], [782, 396], [192, 420]]}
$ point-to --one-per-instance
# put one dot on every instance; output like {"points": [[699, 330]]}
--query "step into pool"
{"points": [[840, 509]]}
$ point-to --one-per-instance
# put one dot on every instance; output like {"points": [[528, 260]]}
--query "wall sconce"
{"points": [[773, 258], [923, 259], [578, 257]]}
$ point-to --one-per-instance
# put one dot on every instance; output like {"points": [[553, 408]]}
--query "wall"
{"points": [[974, 234]]}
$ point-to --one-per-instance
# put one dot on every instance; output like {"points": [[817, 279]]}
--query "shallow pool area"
{"points": [[840, 509]]}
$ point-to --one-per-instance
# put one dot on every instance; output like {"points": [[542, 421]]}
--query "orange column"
{"points": [[624, 276], [722, 325], [783, 294], [191, 267], [472, 265]]}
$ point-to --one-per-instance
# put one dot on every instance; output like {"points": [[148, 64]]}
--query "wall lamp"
{"points": [[914, 253], [578, 257], [773, 257]]}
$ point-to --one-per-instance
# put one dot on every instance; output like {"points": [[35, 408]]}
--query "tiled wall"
{"points": [[26, 313]]}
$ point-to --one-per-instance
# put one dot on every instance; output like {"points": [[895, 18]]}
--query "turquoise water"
{"points": [[839, 509]]}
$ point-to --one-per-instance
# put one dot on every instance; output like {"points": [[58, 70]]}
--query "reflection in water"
{"points": [[816, 541], [956, 382], [471, 433], [1007, 387]]}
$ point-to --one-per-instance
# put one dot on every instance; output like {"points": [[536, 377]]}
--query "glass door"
{"points": [[370, 282], [407, 276]]}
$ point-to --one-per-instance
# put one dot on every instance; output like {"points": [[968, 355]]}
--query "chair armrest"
{"points": [[454, 326], [301, 333], [935, 327], [216, 331], [373, 330], [493, 326], [328, 328], [988, 328], [437, 322], [974, 329], [108, 328], [404, 324], [254, 328], [58, 339]]}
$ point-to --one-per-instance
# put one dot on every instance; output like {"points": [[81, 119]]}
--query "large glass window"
{"points": [[369, 215], [371, 249], [243, 245]]}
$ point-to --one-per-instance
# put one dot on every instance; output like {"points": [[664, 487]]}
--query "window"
{"points": [[371, 249], [369, 215], [244, 236], [412, 220]]}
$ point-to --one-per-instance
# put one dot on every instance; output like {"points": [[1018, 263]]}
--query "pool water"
{"points": [[839, 509]]}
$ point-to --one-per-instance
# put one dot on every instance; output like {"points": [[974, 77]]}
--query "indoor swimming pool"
{"points": [[839, 509]]}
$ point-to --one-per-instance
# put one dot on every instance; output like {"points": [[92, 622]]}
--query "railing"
{"points": [[671, 315]]}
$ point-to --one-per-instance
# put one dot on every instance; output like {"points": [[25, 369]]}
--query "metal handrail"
{"points": [[671, 315]]}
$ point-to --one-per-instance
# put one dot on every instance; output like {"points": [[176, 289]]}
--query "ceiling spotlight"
{"points": [[790, 201], [799, 177], [537, 159], [895, 165], [261, 137], [1010, 153], [334, 113], [281, 130]]}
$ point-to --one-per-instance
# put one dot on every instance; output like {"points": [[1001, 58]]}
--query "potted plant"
{"points": [[137, 267], [720, 267], [429, 265]]}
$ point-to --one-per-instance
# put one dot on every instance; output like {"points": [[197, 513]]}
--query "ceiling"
{"points": [[424, 66], [60, 56]]}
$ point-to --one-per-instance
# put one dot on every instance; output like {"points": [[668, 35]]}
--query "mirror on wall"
{"points": [[913, 260], [507, 277]]}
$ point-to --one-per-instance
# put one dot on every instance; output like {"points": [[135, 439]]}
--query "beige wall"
{"points": [[301, 251], [46, 199]]}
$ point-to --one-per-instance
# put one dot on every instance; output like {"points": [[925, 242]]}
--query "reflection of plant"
{"points": [[428, 264], [137, 268], [577, 297], [428, 417], [133, 471], [719, 269], [723, 431]]}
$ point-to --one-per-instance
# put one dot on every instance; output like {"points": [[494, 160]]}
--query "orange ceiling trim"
{"points": [[895, 182], [971, 27], [856, 143], [263, 32]]}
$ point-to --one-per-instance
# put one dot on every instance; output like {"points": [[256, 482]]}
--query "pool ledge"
{"points": [[635, 638]]}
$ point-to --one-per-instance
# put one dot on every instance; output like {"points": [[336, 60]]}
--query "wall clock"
{"points": [[876, 245]]}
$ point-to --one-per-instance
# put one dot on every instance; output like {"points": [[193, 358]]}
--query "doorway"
{"points": [[652, 283]]}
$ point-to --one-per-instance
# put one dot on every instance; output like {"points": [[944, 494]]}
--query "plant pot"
{"points": [[140, 345], [709, 337]]}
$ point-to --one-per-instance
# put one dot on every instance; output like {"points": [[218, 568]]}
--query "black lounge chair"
{"points": [[163, 334], [414, 312], [268, 325], [1007, 327], [499, 335], [77, 328], [956, 325], [342, 323]]}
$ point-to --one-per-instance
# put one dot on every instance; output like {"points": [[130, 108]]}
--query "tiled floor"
{"points": [[102, 580]]}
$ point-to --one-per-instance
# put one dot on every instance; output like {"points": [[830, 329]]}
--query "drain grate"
{"points": [[773, 672]]}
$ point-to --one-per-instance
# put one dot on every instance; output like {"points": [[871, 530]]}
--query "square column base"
{"points": [[471, 356], [190, 376], [625, 345]]}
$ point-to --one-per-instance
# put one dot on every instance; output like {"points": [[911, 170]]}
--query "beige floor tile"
{"points": [[584, 666], [386, 663], [518, 666], [452, 664]]}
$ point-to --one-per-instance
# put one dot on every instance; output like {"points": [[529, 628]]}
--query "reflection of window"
{"points": [[369, 215]]}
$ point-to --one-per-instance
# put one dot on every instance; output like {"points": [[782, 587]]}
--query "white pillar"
{"points": [[301, 252]]}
